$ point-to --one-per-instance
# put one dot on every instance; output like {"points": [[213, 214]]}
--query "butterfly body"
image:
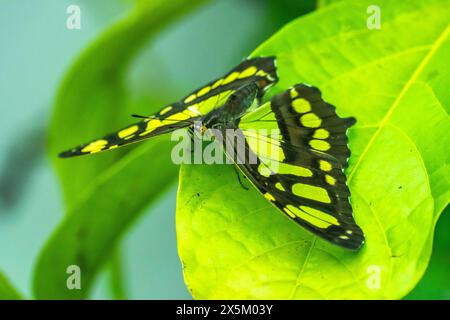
{"points": [[234, 108]]}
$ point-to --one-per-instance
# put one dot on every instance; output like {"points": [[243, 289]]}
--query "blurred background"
{"points": [[36, 51]]}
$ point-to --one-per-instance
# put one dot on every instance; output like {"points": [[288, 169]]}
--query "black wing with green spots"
{"points": [[300, 147], [182, 113]]}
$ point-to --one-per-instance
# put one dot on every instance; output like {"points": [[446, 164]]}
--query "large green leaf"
{"points": [[105, 193], [7, 291], [395, 81]]}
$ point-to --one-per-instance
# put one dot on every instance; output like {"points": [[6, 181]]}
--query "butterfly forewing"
{"points": [[261, 71]]}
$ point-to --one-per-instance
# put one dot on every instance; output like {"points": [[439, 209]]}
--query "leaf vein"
{"points": [[437, 43]]}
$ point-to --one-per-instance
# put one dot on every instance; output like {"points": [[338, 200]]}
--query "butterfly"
{"points": [[293, 149]]}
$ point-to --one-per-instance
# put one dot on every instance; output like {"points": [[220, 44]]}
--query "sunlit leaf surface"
{"points": [[395, 81]]}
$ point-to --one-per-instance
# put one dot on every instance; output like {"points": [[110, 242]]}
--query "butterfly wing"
{"points": [[298, 163], [261, 71], [136, 132]]}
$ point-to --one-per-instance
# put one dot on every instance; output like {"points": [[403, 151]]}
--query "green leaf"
{"points": [[92, 99], [435, 283], [106, 192], [324, 3], [7, 291], [234, 244], [117, 276], [282, 11]]}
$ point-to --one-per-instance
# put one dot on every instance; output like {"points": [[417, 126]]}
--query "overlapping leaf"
{"points": [[7, 291]]}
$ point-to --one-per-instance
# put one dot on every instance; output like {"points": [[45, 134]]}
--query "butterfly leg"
{"points": [[239, 178]]}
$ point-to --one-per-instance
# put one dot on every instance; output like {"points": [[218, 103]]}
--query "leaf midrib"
{"points": [[434, 47]]}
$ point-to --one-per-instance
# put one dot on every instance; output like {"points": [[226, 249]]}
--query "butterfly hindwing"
{"points": [[305, 119], [261, 71], [304, 180]]}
